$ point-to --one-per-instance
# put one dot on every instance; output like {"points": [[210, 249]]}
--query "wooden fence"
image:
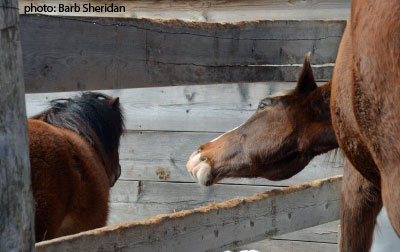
{"points": [[254, 59], [111, 53], [217, 226], [16, 201]]}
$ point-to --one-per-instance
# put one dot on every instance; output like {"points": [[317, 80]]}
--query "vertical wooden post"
{"points": [[16, 201]]}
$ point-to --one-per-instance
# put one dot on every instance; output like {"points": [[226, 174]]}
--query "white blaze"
{"points": [[215, 139]]}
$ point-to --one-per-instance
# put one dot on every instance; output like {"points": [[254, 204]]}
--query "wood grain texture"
{"points": [[216, 11], [218, 226], [151, 155], [289, 246], [326, 233], [8, 14], [126, 212], [16, 202], [207, 108], [140, 200], [109, 53]]}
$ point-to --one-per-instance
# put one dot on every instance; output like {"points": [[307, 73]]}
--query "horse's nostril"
{"points": [[203, 159]]}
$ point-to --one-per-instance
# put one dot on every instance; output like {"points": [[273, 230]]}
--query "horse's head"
{"points": [[112, 124], [276, 142], [96, 117]]}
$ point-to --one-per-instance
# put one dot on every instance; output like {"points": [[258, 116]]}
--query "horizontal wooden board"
{"points": [[139, 200], [109, 53], [222, 225], [162, 156], [288, 246], [209, 108], [213, 11], [326, 233], [127, 212]]}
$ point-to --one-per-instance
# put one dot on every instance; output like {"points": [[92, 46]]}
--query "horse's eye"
{"points": [[263, 105]]}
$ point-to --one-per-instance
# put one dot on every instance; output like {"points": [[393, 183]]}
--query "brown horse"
{"points": [[279, 140], [74, 161], [365, 107]]}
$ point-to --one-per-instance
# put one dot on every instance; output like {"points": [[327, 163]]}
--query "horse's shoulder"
{"points": [[38, 129]]}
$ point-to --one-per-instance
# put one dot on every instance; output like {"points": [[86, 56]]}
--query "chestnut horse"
{"points": [[74, 161], [278, 141], [365, 107]]}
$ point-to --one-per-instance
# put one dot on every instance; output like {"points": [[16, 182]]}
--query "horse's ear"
{"points": [[306, 83], [114, 102]]}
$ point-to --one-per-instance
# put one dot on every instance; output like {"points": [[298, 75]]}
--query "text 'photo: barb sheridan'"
{"points": [[73, 8]]}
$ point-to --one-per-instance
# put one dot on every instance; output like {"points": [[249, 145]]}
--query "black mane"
{"points": [[89, 115]]}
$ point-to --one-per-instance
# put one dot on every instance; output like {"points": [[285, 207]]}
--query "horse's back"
{"points": [[69, 183]]}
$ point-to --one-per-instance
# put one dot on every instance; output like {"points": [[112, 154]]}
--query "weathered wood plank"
{"points": [[217, 226], [16, 201], [214, 11], [8, 14], [162, 156], [287, 245], [327, 233], [210, 108], [111, 53], [127, 212], [140, 200], [176, 194]]}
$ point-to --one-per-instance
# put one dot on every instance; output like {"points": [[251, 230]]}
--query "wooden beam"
{"points": [[210, 11], [16, 203], [140, 200], [290, 245], [109, 53], [217, 226], [183, 108], [8, 14], [162, 156]]}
